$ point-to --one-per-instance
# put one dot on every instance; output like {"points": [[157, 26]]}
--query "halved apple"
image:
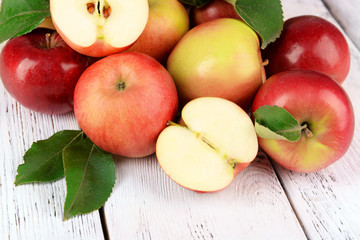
{"points": [[99, 28], [216, 142]]}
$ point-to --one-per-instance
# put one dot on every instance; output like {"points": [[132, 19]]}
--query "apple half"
{"points": [[99, 28], [216, 141]]}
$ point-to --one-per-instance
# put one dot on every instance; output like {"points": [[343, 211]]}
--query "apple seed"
{"points": [[90, 7], [106, 11]]}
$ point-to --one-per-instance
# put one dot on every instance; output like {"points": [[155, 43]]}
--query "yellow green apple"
{"points": [[219, 58]]}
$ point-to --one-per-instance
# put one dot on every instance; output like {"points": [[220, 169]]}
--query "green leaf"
{"points": [[276, 123], [196, 3], [18, 17], [264, 16], [265, 132], [90, 177], [43, 161]]}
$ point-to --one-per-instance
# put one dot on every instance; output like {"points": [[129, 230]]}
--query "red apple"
{"points": [[309, 43], [318, 101], [213, 10], [123, 101], [40, 71], [168, 22]]}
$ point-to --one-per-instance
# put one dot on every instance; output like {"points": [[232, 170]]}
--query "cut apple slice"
{"points": [[217, 141], [99, 28]]}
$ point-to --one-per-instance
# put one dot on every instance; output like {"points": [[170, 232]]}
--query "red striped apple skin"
{"points": [[123, 101], [320, 102]]}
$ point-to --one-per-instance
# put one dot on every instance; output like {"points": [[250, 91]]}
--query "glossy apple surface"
{"points": [[213, 10], [318, 101], [309, 43], [219, 58], [41, 71], [123, 101], [168, 22], [215, 142], [99, 28]]}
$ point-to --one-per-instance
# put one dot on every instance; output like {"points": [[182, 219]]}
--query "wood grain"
{"points": [[262, 203], [347, 15], [146, 204]]}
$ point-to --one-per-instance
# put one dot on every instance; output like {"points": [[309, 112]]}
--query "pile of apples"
{"points": [[146, 76]]}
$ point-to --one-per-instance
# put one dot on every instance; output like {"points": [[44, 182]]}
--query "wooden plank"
{"points": [[327, 202], [146, 204], [347, 14], [34, 211]]}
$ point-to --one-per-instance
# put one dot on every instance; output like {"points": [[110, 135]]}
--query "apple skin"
{"points": [[168, 22], [39, 78], [320, 102], [97, 50], [213, 10], [309, 43], [219, 58], [123, 101]]}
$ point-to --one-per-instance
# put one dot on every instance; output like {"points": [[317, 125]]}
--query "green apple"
{"points": [[168, 22], [219, 58]]}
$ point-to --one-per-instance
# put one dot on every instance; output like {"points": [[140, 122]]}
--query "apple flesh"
{"points": [[309, 43], [40, 71], [219, 58], [168, 22], [319, 102], [213, 10], [123, 101], [216, 142], [97, 27]]}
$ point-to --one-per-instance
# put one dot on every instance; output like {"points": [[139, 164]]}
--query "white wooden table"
{"points": [[264, 202]]}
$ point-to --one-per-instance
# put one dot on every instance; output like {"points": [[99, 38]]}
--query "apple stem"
{"points": [[265, 62], [48, 44], [307, 131]]}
